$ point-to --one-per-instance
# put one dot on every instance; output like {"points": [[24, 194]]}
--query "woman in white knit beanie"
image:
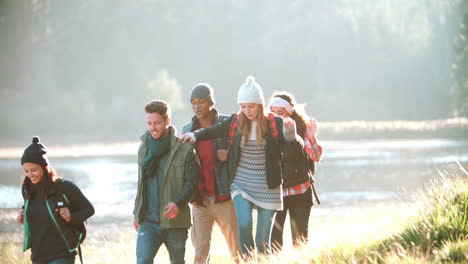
{"points": [[254, 162]]}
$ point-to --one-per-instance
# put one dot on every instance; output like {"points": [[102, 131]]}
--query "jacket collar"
{"points": [[175, 143], [196, 122], [171, 132]]}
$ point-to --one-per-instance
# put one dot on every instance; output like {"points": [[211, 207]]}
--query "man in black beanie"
{"points": [[212, 201], [202, 91]]}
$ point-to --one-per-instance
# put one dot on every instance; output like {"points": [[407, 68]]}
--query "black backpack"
{"points": [[73, 235]]}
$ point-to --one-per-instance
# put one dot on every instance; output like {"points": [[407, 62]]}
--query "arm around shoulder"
{"points": [[218, 130]]}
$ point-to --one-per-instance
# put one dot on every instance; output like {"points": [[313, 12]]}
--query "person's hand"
{"points": [[288, 121], [64, 213], [222, 155], [20, 217], [187, 137], [311, 129], [135, 224], [171, 210]]}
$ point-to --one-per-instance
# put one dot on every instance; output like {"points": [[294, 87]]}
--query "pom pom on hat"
{"points": [[250, 79], [250, 92]]}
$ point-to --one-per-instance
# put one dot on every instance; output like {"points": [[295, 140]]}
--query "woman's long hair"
{"points": [[48, 179], [262, 125], [299, 116]]}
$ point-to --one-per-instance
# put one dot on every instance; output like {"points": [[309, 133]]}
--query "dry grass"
{"points": [[437, 232], [117, 245]]}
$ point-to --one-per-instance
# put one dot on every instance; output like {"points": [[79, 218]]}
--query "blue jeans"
{"points": [[151, 237], [58, 261], [244, 222]]}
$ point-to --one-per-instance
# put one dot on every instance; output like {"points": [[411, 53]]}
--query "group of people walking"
{"points": [[262, 158]]}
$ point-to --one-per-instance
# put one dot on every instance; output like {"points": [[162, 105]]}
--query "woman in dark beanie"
{"points": [[297, 172], [54, 210]]}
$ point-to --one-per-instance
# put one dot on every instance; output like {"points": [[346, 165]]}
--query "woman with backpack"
{"points": [[297, 172], [254, 162], [54, 210]]}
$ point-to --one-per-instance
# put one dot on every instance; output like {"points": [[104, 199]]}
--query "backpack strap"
{"points": [[63, 197], [232, 128], [80, 254], [273, 127], [315, 193], [60, 194], [311, 165]]}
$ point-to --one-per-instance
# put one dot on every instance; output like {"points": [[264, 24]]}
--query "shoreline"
{"points": [[450, 128], [130, 149]]}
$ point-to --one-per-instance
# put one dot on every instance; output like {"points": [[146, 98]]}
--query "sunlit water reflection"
{"points": [[352, 173]]}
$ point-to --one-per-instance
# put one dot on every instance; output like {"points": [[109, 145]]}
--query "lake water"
{"points": [[352, 173]]}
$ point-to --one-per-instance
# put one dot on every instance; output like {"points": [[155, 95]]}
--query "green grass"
{"points": [[436, 233]]}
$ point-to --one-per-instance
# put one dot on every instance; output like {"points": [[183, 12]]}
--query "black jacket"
{"points": [[220, 173], [273, 147], [297, 168], [46, 233]]}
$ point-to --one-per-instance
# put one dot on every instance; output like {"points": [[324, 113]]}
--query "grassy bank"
{"points": [[435, 232], [438, 234]]}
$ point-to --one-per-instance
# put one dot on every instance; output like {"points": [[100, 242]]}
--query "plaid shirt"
{"points": [[235, 122], [232, 128], [297, 189], [313, 150], [273, 128]]}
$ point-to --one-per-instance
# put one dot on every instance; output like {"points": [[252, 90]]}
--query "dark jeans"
{"points": [[58, 261], [151, 237], [299, 220]]}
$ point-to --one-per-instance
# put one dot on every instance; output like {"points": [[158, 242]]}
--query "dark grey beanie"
{"points": [[35, 153], [202, 91]]}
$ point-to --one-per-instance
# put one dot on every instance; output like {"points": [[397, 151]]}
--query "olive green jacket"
{"points": [[181, 174]]}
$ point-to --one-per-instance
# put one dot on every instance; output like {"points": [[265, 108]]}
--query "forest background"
{"points": [[81, 71]]}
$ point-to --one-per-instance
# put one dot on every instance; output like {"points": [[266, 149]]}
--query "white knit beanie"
{"points": [[250, 92]]}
